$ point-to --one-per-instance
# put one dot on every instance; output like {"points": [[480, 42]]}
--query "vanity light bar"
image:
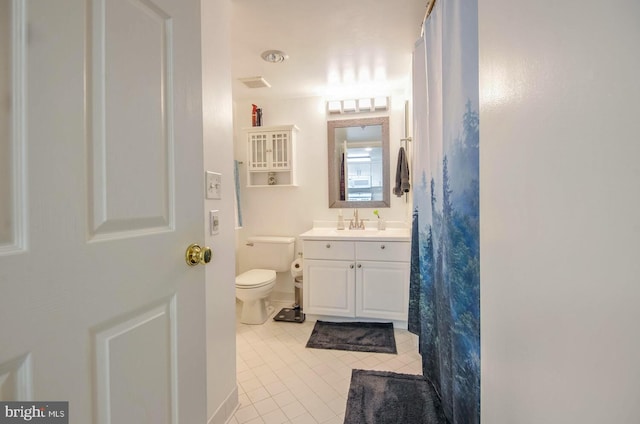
{"points": [[366, 104], [349, 105], [380, 103], [334, 106]]}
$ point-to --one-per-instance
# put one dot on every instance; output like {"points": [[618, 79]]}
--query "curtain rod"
{"points": [[407, 137]]}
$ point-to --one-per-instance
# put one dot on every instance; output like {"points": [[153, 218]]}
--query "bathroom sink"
{"points": [[328, 233]]}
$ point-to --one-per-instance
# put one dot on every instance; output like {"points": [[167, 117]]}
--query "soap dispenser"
{"points": [[340, 220]]}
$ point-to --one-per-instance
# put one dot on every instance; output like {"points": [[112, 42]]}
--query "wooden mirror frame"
{"points": [[334, 167]]}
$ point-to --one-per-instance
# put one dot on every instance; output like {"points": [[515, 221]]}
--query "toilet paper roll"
{"points": [[296, 268]]}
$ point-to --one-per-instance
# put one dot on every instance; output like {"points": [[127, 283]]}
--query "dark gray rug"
{"points": [[356, 336], [380, 397]]}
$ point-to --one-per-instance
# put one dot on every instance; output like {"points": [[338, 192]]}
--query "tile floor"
{"points": [[281, 381]]}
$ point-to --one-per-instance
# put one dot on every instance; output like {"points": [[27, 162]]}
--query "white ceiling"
{"points": [[337, 48]]}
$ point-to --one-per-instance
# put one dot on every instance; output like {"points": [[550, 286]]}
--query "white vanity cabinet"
{"points": [[271, 156], [357, 279]]}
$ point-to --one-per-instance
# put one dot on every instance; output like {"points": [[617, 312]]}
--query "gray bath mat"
{"points": [[380, 397], [356, 336]]}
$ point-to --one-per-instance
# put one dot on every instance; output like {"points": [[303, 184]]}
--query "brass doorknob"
{"points": [[198, 255]]}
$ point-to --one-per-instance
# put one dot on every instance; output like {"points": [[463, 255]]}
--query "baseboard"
{"points": [[225, 411], [282, 297], [402, 325]]}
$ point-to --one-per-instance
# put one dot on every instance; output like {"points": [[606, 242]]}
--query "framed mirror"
{"points": [[359, 163]]}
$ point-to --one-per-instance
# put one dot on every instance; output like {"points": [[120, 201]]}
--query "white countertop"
{"points": [[328, 233]]}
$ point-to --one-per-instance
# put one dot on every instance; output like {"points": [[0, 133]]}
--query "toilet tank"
{"points": [[270, 252]]}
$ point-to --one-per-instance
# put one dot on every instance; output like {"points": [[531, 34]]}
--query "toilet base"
{"points": [[290, 315], [255, 312]]}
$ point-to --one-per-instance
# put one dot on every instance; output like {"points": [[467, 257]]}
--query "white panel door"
{"points": [[101, 193]]}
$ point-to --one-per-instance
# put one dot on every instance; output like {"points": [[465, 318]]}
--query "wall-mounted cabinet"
{"points": [[271, 156]]}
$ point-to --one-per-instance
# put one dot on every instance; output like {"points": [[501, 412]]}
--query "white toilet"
{"points": [[266, 256]]}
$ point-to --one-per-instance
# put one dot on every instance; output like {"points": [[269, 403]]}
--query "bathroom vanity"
{"points": [[357, 274]]}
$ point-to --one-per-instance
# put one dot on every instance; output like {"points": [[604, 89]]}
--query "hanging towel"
{"points": [[402, 174], [342, 186]]}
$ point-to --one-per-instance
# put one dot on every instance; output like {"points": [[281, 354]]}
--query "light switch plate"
{"points": [[213, 185], [214, 222]]}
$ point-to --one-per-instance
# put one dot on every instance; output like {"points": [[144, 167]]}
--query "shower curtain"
{"points": [[444, 308]]}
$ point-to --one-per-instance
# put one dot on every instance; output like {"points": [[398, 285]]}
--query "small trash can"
{"points": [[297, 282]]}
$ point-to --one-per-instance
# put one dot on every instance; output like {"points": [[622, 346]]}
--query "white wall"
{"points": [[290, 211], [6, 115], [222, 394], [560, 184]]}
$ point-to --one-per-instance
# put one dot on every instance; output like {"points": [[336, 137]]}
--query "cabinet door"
{"points": [[280, 150], [259, 150], [328, 288], [382, 290]]}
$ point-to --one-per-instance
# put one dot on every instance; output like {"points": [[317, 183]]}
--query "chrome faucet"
{"points": [[358, 224]]}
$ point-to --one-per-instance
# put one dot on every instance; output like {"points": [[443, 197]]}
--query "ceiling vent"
{"points": [[255, 82]]}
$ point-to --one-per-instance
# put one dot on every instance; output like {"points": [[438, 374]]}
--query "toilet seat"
{"points": [[255, 278]]}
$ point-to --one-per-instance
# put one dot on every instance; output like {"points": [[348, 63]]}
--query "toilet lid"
{"points": [[255, 278]]}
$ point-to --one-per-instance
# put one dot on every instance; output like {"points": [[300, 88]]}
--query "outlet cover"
{"points": [[214, 222]]}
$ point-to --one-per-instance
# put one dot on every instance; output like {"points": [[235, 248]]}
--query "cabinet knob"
{"points": [[328, 246], [359, 265], [351, 266], [382, 246]]}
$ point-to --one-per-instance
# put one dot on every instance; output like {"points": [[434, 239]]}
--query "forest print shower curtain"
{"points": [[444, 307]]}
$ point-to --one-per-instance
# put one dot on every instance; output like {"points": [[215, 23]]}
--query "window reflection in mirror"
{"points": [[359, 162]]}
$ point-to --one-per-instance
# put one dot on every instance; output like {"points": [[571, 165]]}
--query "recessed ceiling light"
{"points": [[274, 56]]}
